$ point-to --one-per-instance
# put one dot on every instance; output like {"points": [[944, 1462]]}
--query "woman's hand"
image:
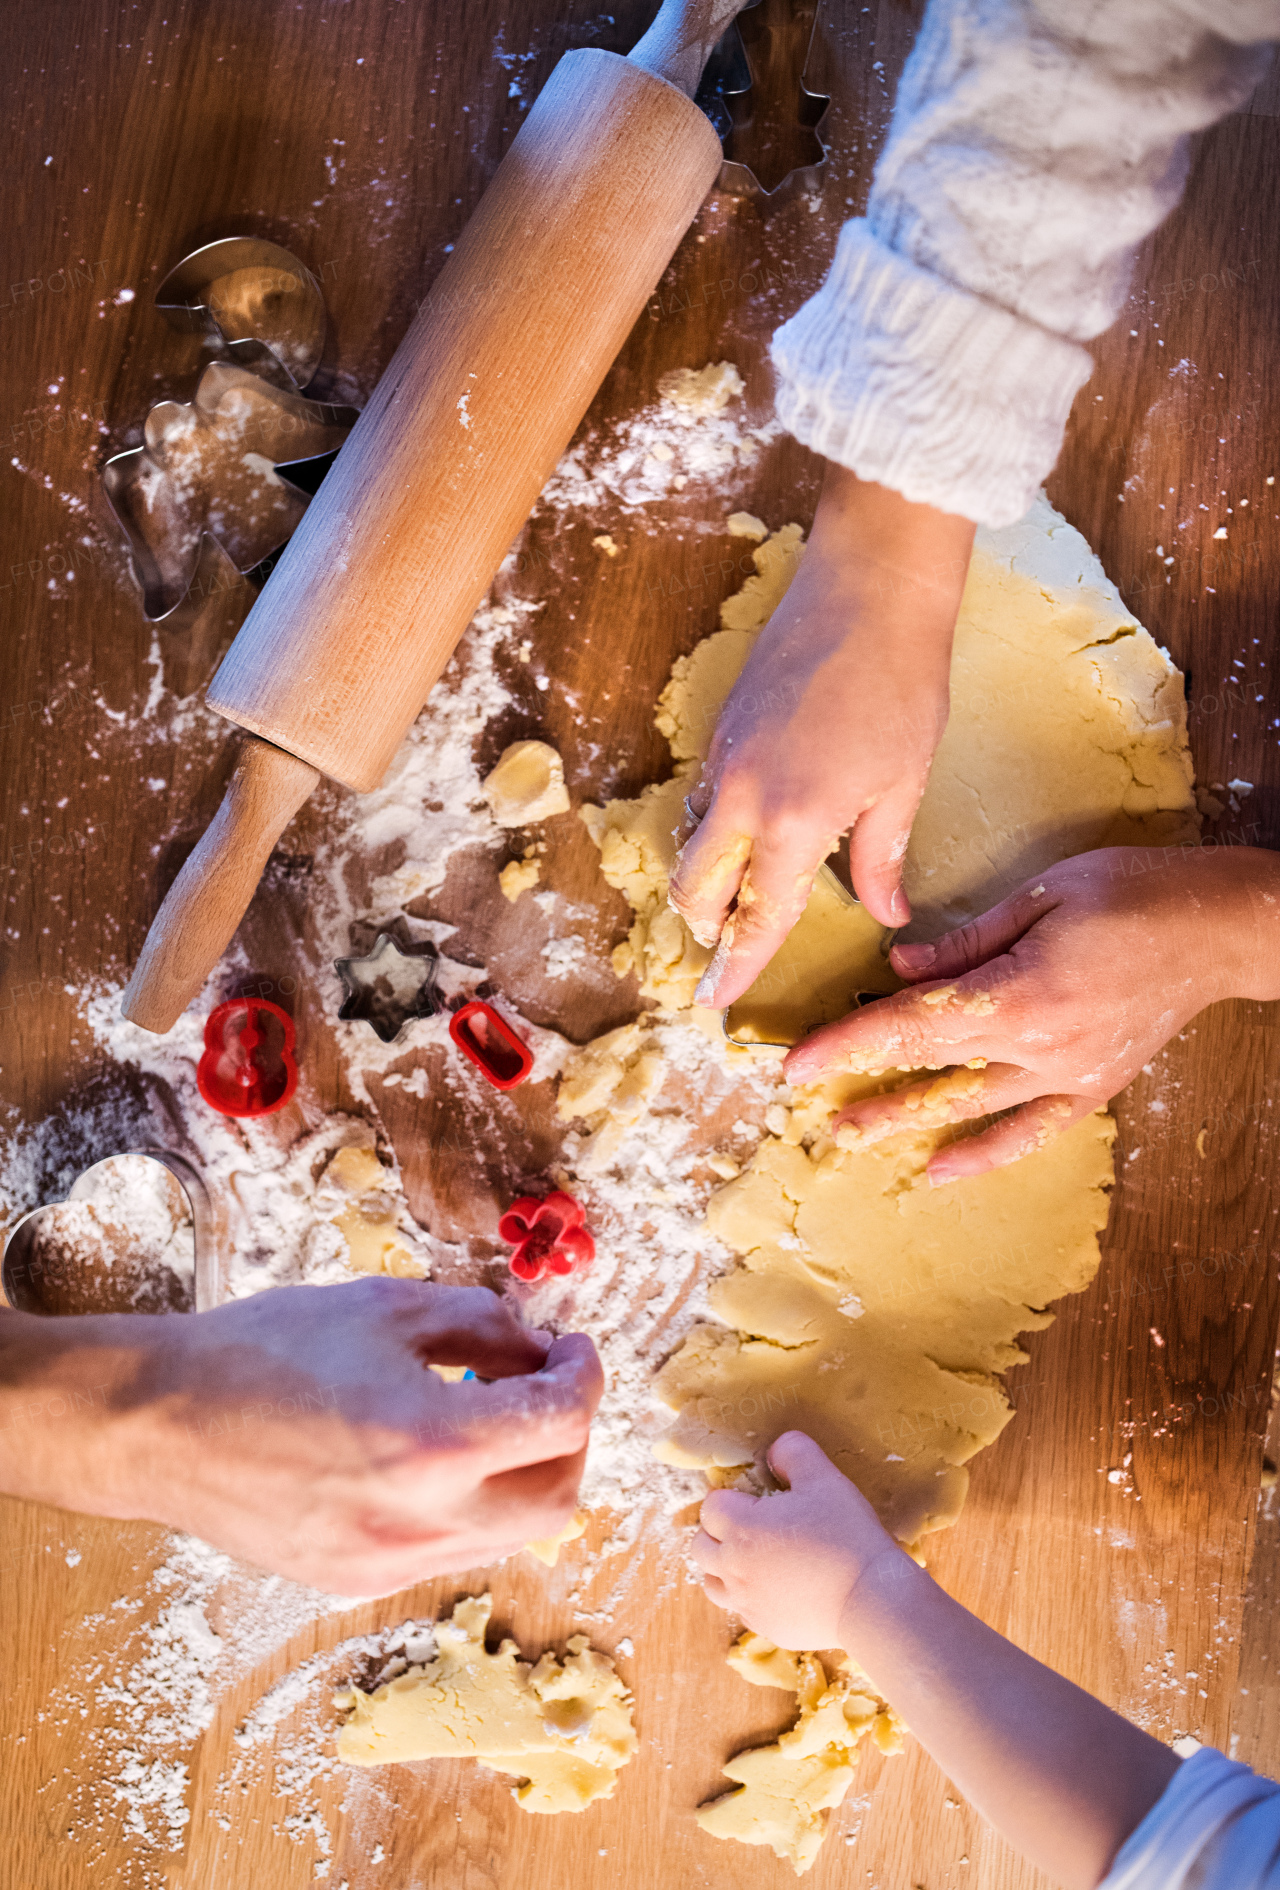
{"points": [[831, 726], [788, 1563], [301, 1429], [1048, 1005]]}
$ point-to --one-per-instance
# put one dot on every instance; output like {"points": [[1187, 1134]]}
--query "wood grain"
{"points": [[1110, 1528]]}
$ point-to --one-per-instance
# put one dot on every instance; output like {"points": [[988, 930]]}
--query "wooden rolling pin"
{"points": [[481, 398]]}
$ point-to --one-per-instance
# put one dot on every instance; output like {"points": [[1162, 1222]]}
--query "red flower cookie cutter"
{"points": [[547, 1234], [245, 1070], [489, 1042]]}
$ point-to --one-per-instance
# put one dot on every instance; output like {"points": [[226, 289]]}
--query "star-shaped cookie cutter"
{"points": [[726, 82], [390, 986], [204, 498]]}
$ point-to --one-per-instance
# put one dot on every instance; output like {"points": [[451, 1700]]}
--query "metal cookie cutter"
{"points": [[202, 500], [391, 985], [21, 1270], [853, 1000], [727, 82]]}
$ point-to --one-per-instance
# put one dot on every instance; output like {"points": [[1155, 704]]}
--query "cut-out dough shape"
{"points": [[835, 956], [563, 1729], [786, 1791]]}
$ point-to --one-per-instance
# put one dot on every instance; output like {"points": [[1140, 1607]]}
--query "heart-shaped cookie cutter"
{"points": [[20, 1270]]}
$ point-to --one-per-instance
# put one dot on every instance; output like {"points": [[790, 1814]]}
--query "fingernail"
{"points": [[916, 957], [710, 981], [898, 906], [940, 1180]]}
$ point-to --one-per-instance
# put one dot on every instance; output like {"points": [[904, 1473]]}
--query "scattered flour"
{"points": [[691, 433], [203, 1622]]}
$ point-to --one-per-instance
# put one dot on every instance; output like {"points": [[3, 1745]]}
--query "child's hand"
{"points": [[830, 728], [787, 1563], [1064, 991]]}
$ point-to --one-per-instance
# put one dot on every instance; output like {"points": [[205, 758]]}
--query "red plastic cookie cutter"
{"points": [[548, 1235], [489, 1042], [246, 1070]]}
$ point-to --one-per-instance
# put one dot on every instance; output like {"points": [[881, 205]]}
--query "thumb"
{"points": [[982, 939], [796, 1460], [877, 847]]}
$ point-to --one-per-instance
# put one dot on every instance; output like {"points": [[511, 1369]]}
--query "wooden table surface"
{"points": [[1110, 1530]]}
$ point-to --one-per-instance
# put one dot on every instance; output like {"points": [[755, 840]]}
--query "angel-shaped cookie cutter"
{"points": [[20, 1269], [203, 500]]}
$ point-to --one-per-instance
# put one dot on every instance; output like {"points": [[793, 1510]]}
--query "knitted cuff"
{"points": [[922, 387]]}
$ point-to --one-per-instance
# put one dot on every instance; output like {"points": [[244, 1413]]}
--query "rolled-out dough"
{"points": [[1067, 732], [563, 1729], [869, 1308], [786, 1790], [527, 785]]}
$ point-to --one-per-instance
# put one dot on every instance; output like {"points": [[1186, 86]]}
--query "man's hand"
{"points": [[788, 1563], [302, 1430], [1049, 1004], [830, 727]]}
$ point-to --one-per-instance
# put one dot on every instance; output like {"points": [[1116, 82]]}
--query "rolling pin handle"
{"points": [[211, 894], [679, 43]]}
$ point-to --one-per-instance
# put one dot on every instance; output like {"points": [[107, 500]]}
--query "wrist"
{"points": [[886, 1584], [894, 550], [1238, 899]]}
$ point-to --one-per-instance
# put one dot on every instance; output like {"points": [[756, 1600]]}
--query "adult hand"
{"points": [[1049, 1004], [831, 726], [302, 1430], [788, 1563]]}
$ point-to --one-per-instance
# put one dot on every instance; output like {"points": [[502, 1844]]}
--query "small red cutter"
{"points": [[547, 1234], [248, 1067], [489, 1042]]}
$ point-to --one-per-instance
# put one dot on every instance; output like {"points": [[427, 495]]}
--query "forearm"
{"points": [[1240, 890], [874, 543], [1059, 1774], [64, 1397], [1032, 148]]}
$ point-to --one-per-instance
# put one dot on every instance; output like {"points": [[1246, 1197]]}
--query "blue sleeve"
{"points": [[1216, 1827]]}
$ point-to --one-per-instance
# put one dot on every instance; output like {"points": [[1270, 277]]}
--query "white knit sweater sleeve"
{"points": [[1215, 1827], [1034, 144]]}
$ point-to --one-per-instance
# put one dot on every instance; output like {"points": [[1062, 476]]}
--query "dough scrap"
{"points": [[747, 525], [369, 1222], [547, 1548], [704, 391], [787, 1790], [519, 876], [527, 785], [609, 1083], [562, 1728]]}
